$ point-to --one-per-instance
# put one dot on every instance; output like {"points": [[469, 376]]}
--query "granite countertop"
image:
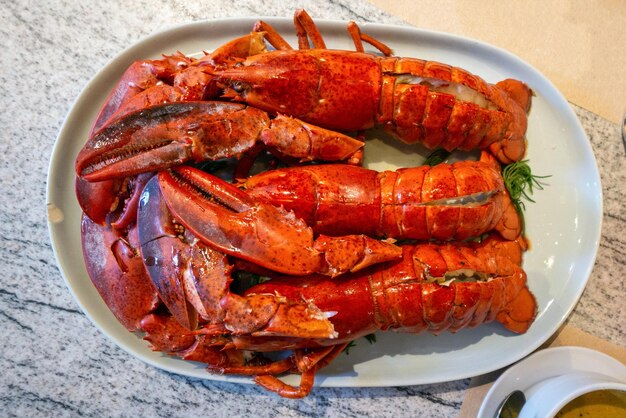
{"points": [[54, 361]]}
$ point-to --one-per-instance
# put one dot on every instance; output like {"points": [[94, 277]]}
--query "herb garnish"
{"points": [[369, 337], [436, 157], [519, 181]]}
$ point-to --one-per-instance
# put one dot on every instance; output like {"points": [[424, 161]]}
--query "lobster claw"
{"points": [[193, 280], [168, 135], [228, 219], [111, 201], [152, 139], [190, 278], [117, 272]]}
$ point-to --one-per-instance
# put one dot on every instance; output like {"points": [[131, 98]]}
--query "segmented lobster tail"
{"points": [[442, 106]]}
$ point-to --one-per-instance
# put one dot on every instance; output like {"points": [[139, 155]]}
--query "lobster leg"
{"points": [[168, 135], [272, 383], [358, 38], [165, 334], [308, 364], [228, 219], [307, 30]]}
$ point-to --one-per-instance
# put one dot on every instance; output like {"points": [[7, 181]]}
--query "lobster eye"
{"points": [[239, 87]]}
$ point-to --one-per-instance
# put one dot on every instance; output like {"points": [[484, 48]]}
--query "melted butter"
{"points": [[601, 403]]}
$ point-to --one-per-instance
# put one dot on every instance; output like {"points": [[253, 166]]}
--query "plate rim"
{"points": [[409, 30]]}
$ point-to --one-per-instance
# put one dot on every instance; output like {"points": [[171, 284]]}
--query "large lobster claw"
{"points": [[111, 201], [168, 135], [226, 218], [118, 273], [193, 280], [190, 278]]}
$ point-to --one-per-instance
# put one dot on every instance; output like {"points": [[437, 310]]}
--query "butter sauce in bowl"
{"points": [[599, 403]]}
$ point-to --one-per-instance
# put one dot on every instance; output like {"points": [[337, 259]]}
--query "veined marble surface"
{"points": [[54, 361]]}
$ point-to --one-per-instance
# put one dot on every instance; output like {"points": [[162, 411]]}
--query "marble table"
{"points": [[54, 361]]}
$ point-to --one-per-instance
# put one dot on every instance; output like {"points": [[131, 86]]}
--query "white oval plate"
{"points": [[564, 223], [545, 364]]}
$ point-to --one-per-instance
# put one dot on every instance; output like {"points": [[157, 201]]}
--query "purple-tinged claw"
{"points": [[191, 278], [165, 254], [117, 271]]}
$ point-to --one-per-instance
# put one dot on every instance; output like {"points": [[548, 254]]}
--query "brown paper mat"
{"points": [[566, 336], [579, 46]]}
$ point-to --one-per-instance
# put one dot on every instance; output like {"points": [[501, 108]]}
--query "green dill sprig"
{"points": [[369, 337], [212, 166], [519, 181], [436, 157], [348, 347]]}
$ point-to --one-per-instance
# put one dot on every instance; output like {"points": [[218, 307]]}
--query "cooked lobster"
{"points": [[429, 102], [446, 202], [414, 100], [432, 288]]}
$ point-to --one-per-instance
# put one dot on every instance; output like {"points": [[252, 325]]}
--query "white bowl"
{"points": [[553, 377], [548, 397]]}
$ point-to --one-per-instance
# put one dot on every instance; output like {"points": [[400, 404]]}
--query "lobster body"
{"points": [[445, 202], [429, 102], [316, 84]]}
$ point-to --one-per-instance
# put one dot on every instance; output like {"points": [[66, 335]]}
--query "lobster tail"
{"points": [[519, 312], [454, 286]]}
